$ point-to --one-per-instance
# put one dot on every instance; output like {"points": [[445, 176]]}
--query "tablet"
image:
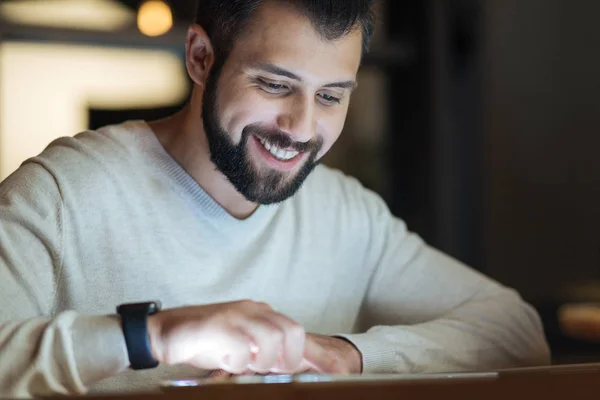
{"points": [[324, 378]]}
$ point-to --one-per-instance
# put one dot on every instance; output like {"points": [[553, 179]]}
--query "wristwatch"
{"points": [[134, 318]]}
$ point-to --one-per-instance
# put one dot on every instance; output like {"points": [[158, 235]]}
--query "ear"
{"points": [[200, 56]]}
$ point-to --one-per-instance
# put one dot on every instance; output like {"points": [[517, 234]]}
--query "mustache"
{"points": [[283, 140]]}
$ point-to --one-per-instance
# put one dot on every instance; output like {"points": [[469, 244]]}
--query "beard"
{"points": [[258, 185]]}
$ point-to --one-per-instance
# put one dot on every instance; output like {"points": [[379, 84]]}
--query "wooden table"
{"points": [[535, 386]]}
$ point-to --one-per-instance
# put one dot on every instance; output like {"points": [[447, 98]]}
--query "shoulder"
{"points": [[104, 152], [106, 145], [90, 162]]}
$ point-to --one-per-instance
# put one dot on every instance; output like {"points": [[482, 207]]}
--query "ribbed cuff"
{"points": [[377, 357], [99, 347]]}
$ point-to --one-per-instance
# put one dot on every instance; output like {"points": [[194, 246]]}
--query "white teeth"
{"points": [[280, 154]]}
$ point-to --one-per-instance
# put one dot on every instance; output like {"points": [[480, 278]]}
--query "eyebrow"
{"points": [[275, 70], [343, 85]]}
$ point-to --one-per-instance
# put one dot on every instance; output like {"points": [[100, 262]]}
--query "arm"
{"points": [[42, 353], [47, 352], [426, 312]]}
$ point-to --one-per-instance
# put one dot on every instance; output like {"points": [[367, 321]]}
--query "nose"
{"points": [[298, 120]]}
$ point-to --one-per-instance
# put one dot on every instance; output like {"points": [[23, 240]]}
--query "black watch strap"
{"points": [[134, 318]]}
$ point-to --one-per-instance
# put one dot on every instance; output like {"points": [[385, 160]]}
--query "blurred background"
{"points": [[476, 120]]}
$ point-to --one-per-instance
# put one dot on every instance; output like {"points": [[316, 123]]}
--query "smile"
{"points": [[280, 154]]}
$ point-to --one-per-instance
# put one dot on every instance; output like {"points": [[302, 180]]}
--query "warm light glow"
{"points": [[103, 15], [40, 101], [155, 18]]}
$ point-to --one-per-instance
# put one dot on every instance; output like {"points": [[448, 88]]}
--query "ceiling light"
{"points": [[154, 18]]}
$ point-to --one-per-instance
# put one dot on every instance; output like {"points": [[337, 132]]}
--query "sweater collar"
{"points": [[203, 203]]}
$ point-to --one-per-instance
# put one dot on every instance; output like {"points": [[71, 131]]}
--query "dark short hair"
{"points": [[223, 20]]}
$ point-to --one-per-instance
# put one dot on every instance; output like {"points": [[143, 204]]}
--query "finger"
{"points": [[267, 339], [309, 366], [229, 351], [294, 337], [219, 374], [239, 355]]}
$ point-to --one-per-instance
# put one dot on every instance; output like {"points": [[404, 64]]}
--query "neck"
{"points": [[183, 137]]}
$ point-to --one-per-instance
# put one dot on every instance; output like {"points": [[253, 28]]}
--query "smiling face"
{"points": [[279, 102]]}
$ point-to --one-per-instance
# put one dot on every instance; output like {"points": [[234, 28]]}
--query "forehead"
{"points": [[280, 35]]}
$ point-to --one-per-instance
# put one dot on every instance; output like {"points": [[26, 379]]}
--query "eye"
{"points": [[328, 99], [272, 87]]}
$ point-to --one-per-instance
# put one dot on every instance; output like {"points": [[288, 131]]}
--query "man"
{"points": [[263, 261]]}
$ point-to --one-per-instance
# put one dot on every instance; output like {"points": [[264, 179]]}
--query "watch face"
{"points": [[154, 307], [150, 307]]}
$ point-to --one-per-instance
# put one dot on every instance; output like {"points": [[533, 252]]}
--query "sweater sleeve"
{"points": [[43, 353], [427, 312]]}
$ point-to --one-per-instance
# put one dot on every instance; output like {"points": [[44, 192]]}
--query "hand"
{"points": [[322, 354], [235, 337], [331, 355]]}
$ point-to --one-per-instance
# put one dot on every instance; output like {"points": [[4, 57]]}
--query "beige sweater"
{"points": [[108, 217]]}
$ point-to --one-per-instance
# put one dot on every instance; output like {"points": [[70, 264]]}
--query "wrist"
{"points": [[352, 355], [155, 337], [354, 359], [135, 320]]}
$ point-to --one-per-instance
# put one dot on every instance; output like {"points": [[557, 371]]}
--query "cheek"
{"points": [[246, 107], [330, 130]]}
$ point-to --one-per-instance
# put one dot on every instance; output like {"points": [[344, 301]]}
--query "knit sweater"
{"points": [[108, 217]]}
